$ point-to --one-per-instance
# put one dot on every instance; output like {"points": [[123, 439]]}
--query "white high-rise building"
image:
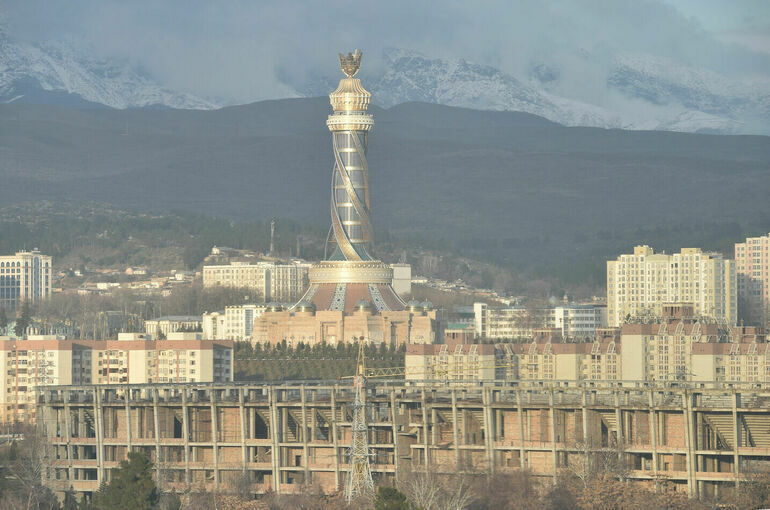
{"points": [[576, 321], [25, 276], [642, 282], [752, 259], [232, 323]]}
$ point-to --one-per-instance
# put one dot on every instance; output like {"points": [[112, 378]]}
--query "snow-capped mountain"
{"points": [[61, 74], [701, 94], [651, 93], [664, 96], [413, 77]]}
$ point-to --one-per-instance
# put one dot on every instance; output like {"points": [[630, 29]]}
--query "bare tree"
{"points": [[430, 491]]}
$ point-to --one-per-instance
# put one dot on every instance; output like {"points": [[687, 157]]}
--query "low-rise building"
{"points": [[163, 326], [402, 278], [302, 323]]}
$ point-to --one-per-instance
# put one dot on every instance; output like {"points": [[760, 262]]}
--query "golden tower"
{"points": [[350, 275]]}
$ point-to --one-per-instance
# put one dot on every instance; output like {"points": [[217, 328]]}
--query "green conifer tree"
{"points": [[131, 488], [23, 322], [390, 498]]}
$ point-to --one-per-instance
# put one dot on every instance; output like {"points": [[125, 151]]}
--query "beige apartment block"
{"points": [[642, 282], [752, 263], [25, 276], [458, 362], [132, 359], [271, 281], [546, 357]]}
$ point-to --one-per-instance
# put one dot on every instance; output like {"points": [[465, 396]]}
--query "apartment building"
{"points": [[575, 321], [163, 326], [132, 359], [460, 362], [688, 348], [272, 281], [547, 356], [233, 323], [676, 347], [25, 276], [752, 264], [642, 282], [502, 323]]}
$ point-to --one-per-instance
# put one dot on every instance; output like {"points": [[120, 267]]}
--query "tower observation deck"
{"points": [[350, 276]]}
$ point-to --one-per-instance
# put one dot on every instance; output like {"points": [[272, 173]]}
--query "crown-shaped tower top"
{"points": [[351, 63], [350, 95]]}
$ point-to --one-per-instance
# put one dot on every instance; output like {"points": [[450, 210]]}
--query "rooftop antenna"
{"points": [[272, 236]]}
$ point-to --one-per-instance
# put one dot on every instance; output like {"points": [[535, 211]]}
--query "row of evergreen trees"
{"points": [[320, 361]]}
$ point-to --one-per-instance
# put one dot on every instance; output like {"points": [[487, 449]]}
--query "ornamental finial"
{"points": [[351, 63]]}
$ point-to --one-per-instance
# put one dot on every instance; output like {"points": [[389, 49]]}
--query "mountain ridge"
{"points": [[508, 185]]}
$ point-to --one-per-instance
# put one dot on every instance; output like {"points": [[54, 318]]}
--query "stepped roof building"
{"points": [[350, 294]]}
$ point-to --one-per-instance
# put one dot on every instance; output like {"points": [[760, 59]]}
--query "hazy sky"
{"points": [[248, 50]]}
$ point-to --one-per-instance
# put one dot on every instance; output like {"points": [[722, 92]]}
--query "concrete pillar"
{"points": [[275, 433], [489, 429], [68, 434], [455, 430], [586, 439], [522, 447], [156, 424], [653, 436], [186, 436], [305, 449], [426, 455], [215, 434], [554, 455], [128, 422], [334, 438], [737, 435], [393, 416], [99, 431], [244, 434], [688, 433], [619, 421]]}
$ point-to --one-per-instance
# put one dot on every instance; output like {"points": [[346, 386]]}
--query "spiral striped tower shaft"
{"points": [[351, 230]]}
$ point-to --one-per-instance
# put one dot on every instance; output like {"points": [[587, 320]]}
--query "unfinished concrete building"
{"points": [[279, 437]]}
